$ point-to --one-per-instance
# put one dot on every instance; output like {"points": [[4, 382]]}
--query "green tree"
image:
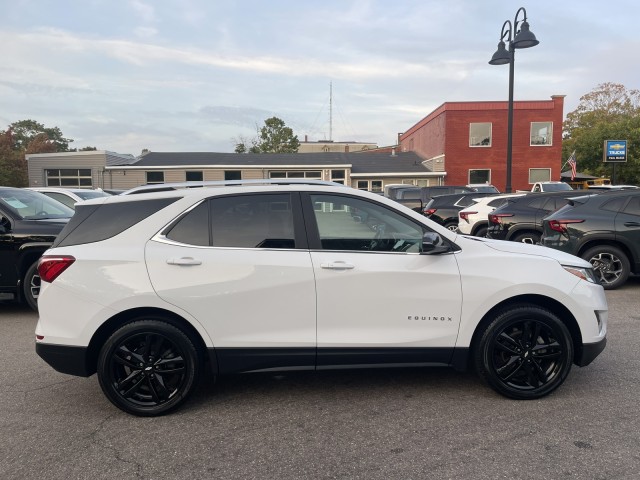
{"points": [[273, 137], [13, 168], [609, 112], [25, 131]]}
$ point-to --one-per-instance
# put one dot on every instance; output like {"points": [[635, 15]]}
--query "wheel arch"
{"points": [[478, 225], [550, 304], [122, 318]]}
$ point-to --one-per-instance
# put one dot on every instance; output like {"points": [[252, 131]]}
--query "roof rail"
{"points": [[164, 187]]}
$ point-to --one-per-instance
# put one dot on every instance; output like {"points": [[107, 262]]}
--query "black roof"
{"points": [[361, 162]]}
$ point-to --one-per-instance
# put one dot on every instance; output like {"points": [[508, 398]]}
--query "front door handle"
{"points": [[337, 265], [184, 261], [632, 224]]}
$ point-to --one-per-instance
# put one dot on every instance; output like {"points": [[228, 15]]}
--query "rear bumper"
{"points": [[66, 359], [589, 352]]}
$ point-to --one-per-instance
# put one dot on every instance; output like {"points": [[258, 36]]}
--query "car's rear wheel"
{"points": [[532, 238], [148, 367], [31, 286], [452, 226], [610, 264], [525, 353], [481, 232]]}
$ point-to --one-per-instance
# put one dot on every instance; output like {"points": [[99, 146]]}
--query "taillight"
{"points": [[51, 266], [429, 211], [497, 217], [561, 225], [465, 215]]}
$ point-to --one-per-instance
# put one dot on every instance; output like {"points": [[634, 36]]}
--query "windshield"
{"points": [[87, 194], [29, 205], [557, 187]]}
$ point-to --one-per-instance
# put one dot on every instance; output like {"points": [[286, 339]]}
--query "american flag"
{"points": [[572, 162]]}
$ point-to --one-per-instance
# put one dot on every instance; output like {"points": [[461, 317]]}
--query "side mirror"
{"points": [[434, 244], [5, 225]]}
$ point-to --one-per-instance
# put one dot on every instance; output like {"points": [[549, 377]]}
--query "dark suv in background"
{"points": [[29, 223], [520, 219], [603, 229], [444, 209]]}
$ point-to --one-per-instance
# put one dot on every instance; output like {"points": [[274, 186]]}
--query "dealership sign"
{"points": [[615, 151]]}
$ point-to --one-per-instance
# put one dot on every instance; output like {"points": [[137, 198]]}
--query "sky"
{"points": [[199, 75]]}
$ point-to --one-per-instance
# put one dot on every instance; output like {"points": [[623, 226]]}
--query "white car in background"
{"points": [[473, 220], [70, 196]]}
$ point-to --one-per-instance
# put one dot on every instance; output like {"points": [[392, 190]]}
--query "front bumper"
{"points": [[589, 351]]}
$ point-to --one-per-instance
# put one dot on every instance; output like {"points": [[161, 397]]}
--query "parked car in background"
{"points": [[603, 229], [542, 187], [148, 290], [473, 220], [70, 196], [443, 209], [483, 188], [29, 223], [417, 197], [520, 219]]}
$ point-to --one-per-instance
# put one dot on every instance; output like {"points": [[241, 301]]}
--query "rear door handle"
{"points": [[337, 265], [184, 261], [632, 224]]}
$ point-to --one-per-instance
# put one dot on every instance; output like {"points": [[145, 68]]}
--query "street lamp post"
{"points": [[522, 38]]}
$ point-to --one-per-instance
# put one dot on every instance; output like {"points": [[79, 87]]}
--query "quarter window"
{"points": [[633, 207], [352, 224], [541, 133], [480, 134]]}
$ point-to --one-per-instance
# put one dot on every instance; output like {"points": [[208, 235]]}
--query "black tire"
{"points": [[481, 232], [525, 353], [148, 367], [31, 286], [532, 238], [610, 264]]}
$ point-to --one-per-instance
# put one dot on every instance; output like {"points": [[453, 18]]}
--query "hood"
{"points": [[528, 249]]}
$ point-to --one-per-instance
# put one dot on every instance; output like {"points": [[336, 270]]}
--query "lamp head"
{"points": [[525, 38], [502, 55]]}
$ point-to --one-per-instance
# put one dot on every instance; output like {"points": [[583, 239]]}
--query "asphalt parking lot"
{"points": [[404, 424]]}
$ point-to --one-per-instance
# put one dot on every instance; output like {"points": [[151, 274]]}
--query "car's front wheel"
{"points": [[525, 352], [31, 286], [610, 264], [148, 367]]}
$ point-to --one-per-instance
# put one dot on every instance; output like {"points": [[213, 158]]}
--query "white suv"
{"points": [[473, 220], [149, 289]]}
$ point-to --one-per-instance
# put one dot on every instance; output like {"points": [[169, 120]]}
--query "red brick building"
{"points": [[467, 141]]}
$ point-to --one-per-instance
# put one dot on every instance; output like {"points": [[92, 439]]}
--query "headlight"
{"points": [[582, 272]]}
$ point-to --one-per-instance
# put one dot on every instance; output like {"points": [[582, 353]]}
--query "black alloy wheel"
{"points": [[148, 367], [525, 353], [31, 286], [610, 264]]}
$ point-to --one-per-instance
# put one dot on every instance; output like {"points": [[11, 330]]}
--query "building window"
{"points": [[296, 174], [155, 178], [539, 175], [480, 134], [369, 185], [338, 176], [194, 176], [541, 133], [480, 176], [69, 177], [232, 175]]}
